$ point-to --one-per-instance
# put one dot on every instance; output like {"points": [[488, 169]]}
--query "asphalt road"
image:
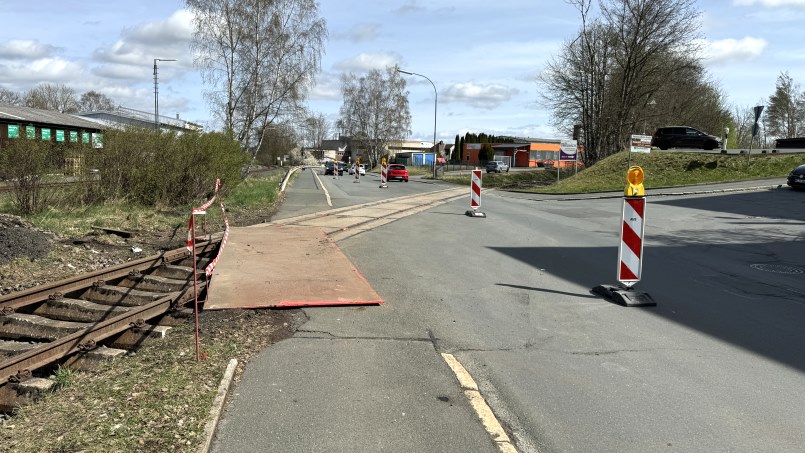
{"points": [[717, 365]]}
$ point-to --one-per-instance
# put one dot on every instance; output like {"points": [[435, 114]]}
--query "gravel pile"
{"points": [[20, 239]]}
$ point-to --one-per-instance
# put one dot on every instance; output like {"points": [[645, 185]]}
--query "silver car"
{"points": [[497, 166]]}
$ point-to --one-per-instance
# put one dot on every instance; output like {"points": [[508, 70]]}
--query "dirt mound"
{"points": [[20, 239]]}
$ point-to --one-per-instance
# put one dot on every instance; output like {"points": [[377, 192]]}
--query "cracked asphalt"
{"points": [[717, 365]]}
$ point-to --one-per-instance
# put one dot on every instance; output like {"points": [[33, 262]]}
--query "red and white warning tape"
{"points": [[191, 227]]}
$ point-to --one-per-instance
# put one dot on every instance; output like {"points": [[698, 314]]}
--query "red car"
{"points": [[397, 171]]}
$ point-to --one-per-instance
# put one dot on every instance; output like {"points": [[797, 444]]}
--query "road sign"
{"points": [[640, 144], [568, 150], [758, 110]]}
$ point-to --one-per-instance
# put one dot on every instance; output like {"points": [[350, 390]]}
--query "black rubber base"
{"points": [[473, 213], [627, 297]]}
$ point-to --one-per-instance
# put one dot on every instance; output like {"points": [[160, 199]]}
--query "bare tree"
{"points": [[47, 96], [10, 97], [613, 78], [92, 101], [260, 57], [576, 85], [744, 118], [785, 115], [277, 142], [316, 129], [375, 111]]}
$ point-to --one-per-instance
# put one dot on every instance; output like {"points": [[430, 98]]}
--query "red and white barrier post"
{"points": [[357, 170], [475, 195], [384, 175], [630, 250]]}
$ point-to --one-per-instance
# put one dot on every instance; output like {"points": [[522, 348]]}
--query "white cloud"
{"points": [[733, 50], [328, 87], [177, 27], [53, 70], [481, 96], [25, 49], [770, 3], [139, 45], [360, 33], [365, 62]]}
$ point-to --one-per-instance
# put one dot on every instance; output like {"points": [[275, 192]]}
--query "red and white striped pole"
{"points": [[475, 195], [630, 250], [384, 175]]}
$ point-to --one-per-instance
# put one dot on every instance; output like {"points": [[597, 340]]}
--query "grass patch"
{"points": [[129, 405], [119, 215], [255, 191], [662, 169]]}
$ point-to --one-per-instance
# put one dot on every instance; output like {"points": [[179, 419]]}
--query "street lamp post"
{"points": [[156, 91], [435, 103]]}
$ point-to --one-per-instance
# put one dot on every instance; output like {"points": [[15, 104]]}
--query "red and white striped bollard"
{"points": [[475, 195]]}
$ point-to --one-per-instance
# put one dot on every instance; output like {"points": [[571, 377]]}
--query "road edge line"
{"points": [[217, 406], [478, 403]]}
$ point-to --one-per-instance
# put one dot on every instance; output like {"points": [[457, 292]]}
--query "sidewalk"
{"points": [[352, 379]]}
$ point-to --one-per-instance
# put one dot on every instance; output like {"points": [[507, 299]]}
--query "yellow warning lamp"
{"points": [[634, 176], [383, 161]]}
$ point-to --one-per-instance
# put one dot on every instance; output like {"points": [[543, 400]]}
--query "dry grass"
{"points": [[155, 399]]}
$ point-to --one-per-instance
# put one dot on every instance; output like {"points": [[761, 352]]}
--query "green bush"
{"points": [[158, 168], [28, 164]]}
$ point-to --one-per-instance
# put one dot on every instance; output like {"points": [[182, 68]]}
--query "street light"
{"points": [[156, 91], [435, 103]]}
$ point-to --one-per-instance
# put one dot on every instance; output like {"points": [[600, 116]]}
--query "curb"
{"points": [[217, 406]]}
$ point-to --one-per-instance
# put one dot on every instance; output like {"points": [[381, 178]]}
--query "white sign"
{"points": [[640, 144], [568, 149]]}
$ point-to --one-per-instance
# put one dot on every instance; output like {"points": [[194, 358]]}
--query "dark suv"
{"points": [[329, 168], [683, 137]]}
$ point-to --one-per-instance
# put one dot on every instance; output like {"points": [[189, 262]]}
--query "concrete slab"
{"points": [[285, 266]]}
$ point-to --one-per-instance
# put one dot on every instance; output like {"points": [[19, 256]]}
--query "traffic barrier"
{"points": [[630, 250], [384, 175], [475, 195]]}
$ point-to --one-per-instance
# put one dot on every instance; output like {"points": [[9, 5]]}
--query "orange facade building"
{"points": [[527, 153]]}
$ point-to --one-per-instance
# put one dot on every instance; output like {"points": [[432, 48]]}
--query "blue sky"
{"points": [[482, 56]]}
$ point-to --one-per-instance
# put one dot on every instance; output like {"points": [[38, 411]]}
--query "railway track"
{"points": [[46, 325]]}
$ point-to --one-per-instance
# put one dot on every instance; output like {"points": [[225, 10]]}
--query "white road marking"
{"points": [[484, 412]]}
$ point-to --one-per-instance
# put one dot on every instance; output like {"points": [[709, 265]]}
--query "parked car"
{"points": [[361, 169], [497, 166], [329, 168], [796, 179], [683, 137], [397, 171]]}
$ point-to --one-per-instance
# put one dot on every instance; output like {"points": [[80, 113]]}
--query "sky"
{"points": [[483, 57]]}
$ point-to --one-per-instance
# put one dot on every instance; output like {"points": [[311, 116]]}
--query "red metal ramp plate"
{"points": [[285, 266]]}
